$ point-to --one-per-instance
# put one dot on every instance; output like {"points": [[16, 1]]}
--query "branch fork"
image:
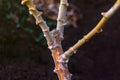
{"points": [[55, 36]]}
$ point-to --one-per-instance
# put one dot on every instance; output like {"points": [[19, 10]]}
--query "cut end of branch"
{"points": [[24, 2]]}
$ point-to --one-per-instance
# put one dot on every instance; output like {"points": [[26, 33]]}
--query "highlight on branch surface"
{"points": [[55, 36]]}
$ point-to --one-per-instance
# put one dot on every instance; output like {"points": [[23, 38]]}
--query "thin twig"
{"points": [[61, 21], [97, 29], [39, 21]]}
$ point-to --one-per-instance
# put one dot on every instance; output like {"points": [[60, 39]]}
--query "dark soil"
{"points": [[99, 59]]}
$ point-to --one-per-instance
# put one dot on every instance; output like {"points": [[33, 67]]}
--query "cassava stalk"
{"points": [[61, 21], [97, 29], [54, 37], [54, 42]]}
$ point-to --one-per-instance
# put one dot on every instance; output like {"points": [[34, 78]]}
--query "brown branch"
{"points": [[61, 67], [95, 30], [54, 42]]}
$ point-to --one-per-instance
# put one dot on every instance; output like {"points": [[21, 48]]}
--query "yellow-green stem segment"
{"points": [[95, 30], [39, 20]]}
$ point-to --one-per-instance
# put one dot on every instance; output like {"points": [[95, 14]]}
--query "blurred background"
{"points": [[23, 50]]}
